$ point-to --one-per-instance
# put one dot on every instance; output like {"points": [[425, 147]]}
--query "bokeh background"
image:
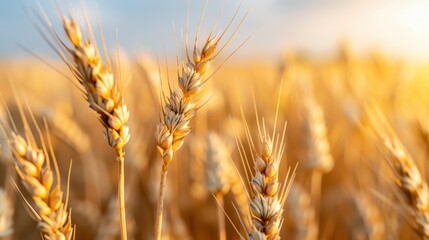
{"points": [[398, 27]]}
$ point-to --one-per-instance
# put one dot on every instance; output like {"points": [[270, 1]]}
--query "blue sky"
{"points": [[146, 26]]}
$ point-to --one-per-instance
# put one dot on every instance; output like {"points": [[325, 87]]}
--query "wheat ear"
{"points": [[267, 195], [181, 106], [319, 156], [319, 159], [407, 175], [103, 92], [33, 165], [100, 88], [267, 199]]}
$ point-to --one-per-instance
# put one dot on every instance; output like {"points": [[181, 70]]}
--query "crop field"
{"points": [[200, 143]]}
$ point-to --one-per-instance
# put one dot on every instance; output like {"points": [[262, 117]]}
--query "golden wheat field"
{"points": [[198, 144]]}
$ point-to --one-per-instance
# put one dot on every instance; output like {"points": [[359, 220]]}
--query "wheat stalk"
{"points": [[109, 227], [103, 92], [181, 106], [407, 176], [33, 165]]}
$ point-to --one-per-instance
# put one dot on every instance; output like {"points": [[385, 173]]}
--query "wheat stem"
{"points": [[316, 188], [180, 107], [160, 206], [220, 216], [103, 92], [121, 194]]}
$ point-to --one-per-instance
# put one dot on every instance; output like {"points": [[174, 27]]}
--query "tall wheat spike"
{"points": [[182, 104], [101, 89]]}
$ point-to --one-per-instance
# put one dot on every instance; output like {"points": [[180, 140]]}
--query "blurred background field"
{"points": [[337, 57]]}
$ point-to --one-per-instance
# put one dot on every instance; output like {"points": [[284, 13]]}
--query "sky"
{"points": [[156, 27]]}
